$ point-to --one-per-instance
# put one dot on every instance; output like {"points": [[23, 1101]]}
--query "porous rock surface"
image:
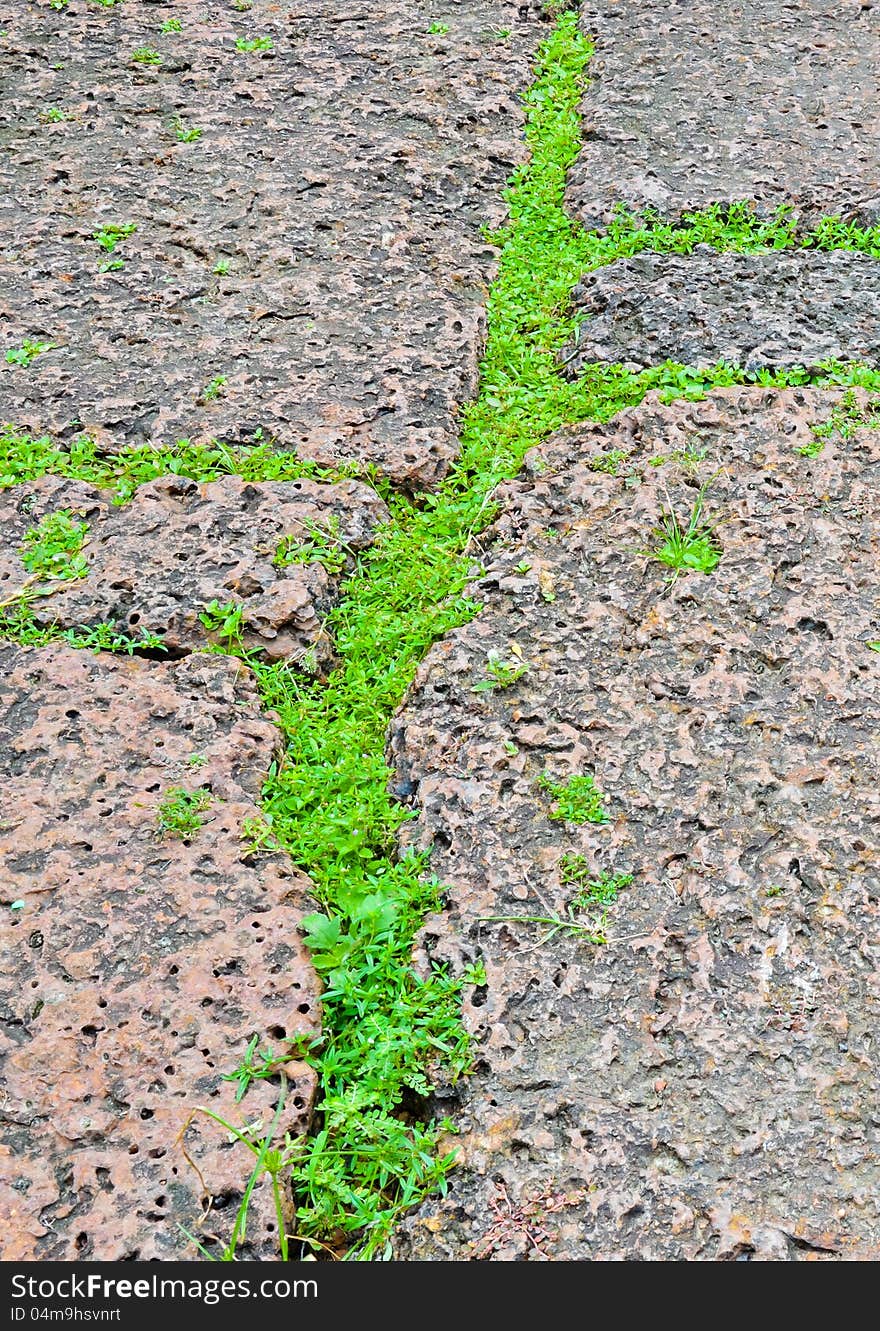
{"points": [[704, 1086], [761, 311], [155, 563], [711, 101], [344, 176], [139, 966]]}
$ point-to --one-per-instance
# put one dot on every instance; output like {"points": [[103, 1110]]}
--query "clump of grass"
{"points": [[845, 418], [600, 889], [180, 812], [186, 133], [577, 799], [108, 237], [254, 44], [500, 674], [53, 548], [688, 546], [27, 352], [608, 462], [145, 55], [319, 544]]}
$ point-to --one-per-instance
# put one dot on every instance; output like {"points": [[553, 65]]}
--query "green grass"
{"points": [[181, 812], [254, 44], [26, 457], [18, 625], [500, 674], [53, 549], [27, 352], [108, 237], [389, 1034], [688, 546], [575, 800]]}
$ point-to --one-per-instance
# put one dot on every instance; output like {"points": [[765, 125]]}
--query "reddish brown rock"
{"points": [[156, 563], [344, 177], [137, 966], [700, 103], [704, 1086]]}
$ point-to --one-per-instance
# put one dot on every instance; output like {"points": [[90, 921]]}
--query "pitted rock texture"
{"points": [[721, 100], [704, 1086], [344, 178], [139, 966], [157, 562], [769, 311]]}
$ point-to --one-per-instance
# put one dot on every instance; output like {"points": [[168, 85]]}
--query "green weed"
{"points": [[186, 133], [110, 236], [322, 545], [609, 462], [18, 625], [500, 674], [577, 799], [845, 418], [180, 812], [145, 55], [53, 549], [25, 457], [686, 547], [27, 353], [225, 622], [221, 267], [254, 44], [214, 389], [593, 889], [171, 25], [439, 29]]}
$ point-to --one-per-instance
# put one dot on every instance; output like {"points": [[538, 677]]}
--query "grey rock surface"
{"points": [[704, 1085], [770, 311], [342, 177], [713, 101]]}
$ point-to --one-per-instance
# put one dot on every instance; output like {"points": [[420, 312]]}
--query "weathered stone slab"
{"points": [[343, 176], [139, 965], [176, 546], [704, 1086], [769, 311], [698, 103]]}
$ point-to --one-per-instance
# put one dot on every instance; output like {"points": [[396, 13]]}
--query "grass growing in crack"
{"points": [[181, 812], [390, 1033], [18, 625], [53, 549], [26, 457], [576, 800]]}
